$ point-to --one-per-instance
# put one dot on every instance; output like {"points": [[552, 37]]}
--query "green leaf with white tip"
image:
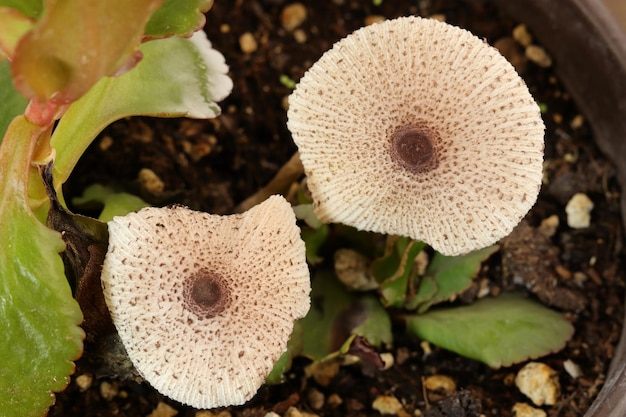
{"points": [[177, 77], [39, 318], [497, 331]]}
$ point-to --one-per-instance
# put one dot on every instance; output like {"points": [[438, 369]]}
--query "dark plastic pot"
{"points": [[589, 51]]}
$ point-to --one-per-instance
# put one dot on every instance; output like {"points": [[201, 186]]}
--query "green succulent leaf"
{"points": [[395, 271], [497, 331], [447, 277], [65, 54], [12, 103], [39, 318], [314, 239], [337, 315], [111, 202], [177, 17], [177, 77]]}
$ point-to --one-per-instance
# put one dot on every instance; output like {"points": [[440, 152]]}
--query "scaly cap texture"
{"points": [[205, 304], [418, 128]]}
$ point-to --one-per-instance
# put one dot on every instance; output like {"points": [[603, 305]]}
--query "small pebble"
{"points": [[563, 272], [163, 410], [387, 404], [300, 36], [539, 382], [209, 413], [513, 53], [315, 398], [578, 211], [539, 56], [577, 122], [549, 225], [150, 181], [580, 277], [323, 372], [441, 383], [334, 400], [572, 369], [522, 36], [525, 410], [293, 16], [294, 412], [84, 382], [353, 270], [571, 157], [387, 359], [108, 391], [247, 43], [402, 355], [105, 143], [373, 18], [484, 288], [440, 17], [509, 379]]}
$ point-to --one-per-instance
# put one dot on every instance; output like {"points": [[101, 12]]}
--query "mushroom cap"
{"points": [[418, 128], [205, 304]]}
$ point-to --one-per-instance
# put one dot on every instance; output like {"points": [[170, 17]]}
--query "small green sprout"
{"points": [[287, 81]]}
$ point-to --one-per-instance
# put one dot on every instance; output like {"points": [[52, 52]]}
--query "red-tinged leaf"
{"points": [[40, 320], [76, 43]]}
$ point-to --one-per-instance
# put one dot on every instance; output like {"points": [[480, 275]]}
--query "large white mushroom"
{"points": [[415, 127], [205, 304]]}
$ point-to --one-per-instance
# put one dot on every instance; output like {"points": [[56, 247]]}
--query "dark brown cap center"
{"points": [[413, 148], [206, 294]]}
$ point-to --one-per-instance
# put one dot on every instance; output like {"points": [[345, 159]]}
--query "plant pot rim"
{"points": [[588, 47]]}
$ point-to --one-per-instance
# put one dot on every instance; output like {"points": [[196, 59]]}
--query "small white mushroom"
{"points": [[205, 304], [415, 127]]}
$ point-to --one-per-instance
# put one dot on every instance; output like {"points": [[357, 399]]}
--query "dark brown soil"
{"points": [[213, 165]]}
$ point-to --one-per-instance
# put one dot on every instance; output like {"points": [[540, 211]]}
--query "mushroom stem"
{"points": [[288, 173]]}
